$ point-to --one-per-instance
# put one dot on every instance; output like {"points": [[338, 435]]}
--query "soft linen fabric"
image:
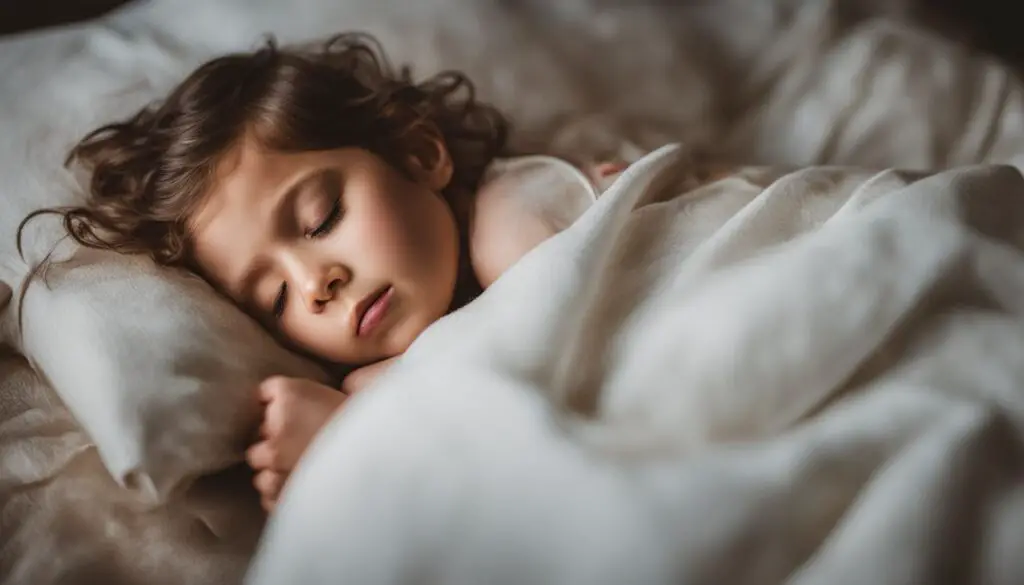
{"points": [[66, 521], [811, 377]]}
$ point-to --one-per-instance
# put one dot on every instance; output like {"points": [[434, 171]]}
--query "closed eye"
{"points": [[281, 300], [328, 222]]}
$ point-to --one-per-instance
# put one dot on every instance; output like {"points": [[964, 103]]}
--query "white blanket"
{"points": [[813, 377]]}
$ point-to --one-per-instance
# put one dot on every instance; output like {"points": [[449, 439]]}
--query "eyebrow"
{"points": [[284, 216]]}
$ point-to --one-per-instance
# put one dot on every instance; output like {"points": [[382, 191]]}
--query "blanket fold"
{"points": [[808, 376]]}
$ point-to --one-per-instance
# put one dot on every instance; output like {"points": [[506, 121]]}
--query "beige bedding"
{"points": [[64, 520], [761, 82]]}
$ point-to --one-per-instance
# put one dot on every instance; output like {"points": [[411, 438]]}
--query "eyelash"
{"points": [[324, 228], [279, 302], [329, 222]]}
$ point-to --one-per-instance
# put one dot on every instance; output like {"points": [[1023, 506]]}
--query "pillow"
{"points": [[65, 521], [157, 368]]}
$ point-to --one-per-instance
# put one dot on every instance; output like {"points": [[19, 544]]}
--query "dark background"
{"points": [[22, 15], [986, 25]]}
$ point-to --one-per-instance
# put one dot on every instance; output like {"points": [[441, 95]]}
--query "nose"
{"points": [[320, 284]]}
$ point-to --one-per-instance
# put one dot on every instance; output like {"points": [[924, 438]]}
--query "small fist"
{"points": [[602, 175], [294, 412], [607, 169]]}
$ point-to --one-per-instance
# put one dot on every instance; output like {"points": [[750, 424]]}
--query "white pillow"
{"points": [[158, 369]]}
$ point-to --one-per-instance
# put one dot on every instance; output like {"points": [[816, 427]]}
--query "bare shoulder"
{"points": [[503, 228], [528, 200]]}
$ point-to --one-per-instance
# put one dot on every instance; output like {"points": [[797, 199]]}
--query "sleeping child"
{"points": [[342, 205]]}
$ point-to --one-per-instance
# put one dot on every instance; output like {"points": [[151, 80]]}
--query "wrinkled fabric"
{"points": [[779, 377], [790, 82]]}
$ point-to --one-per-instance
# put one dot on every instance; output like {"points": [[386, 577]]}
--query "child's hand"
{"points": [[295, 411], [607, 169], [603, 174]]}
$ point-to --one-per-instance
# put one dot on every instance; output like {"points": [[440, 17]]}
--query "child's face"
{"points": [[342, 254]]}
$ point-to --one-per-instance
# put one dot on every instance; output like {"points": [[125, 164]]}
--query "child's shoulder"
{"points": [[522, 202], [546, 186]]}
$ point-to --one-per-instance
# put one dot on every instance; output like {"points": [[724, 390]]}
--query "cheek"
{"points": [[319, 337], [413, 235], [381, 236], [432, 232]]}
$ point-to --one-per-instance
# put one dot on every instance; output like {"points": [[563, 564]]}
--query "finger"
{"points": [[262, 455], [269, 389], [264, 392], [273, 420], [269, 483], [609, 168], [268, 504]]}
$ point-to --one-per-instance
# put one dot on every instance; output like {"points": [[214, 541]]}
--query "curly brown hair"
{"points": [[149, 172]]}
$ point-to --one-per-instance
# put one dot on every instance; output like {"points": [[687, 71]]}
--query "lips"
{"points": [[370, 312]]}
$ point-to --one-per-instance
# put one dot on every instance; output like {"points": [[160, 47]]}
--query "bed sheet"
{"points": [[64, 520]]}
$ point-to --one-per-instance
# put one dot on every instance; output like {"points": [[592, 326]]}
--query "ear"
{"points": [[432, 163]]}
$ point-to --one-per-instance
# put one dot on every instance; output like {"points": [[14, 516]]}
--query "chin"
{"points": [[409, 331], [403, 338]]}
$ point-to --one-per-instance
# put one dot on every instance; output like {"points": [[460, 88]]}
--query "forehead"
{"points": [[235, 221], [248, 174]]}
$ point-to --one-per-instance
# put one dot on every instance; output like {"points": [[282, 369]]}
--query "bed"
{"points": [[783, 83]]}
